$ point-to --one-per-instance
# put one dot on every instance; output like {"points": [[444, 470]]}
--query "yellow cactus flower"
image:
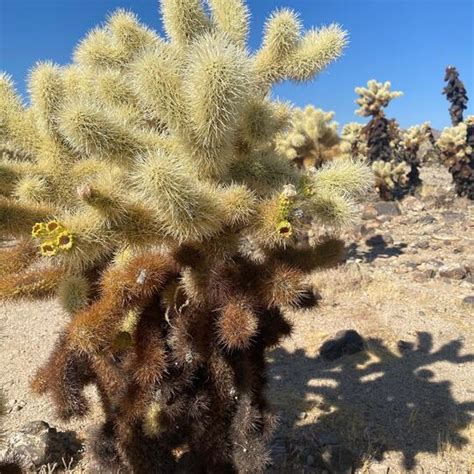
{"points": [[48, 249], [39, 230], [53, 227], [65, 240]]}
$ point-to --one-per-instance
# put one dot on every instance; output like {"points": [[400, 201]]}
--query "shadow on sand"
{"points": [[376, 248], [375, 401]]}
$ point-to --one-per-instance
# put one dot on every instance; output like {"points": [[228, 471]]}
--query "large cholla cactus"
{"points": [[457, 150], [456, 94], [167, 222], [311, 138]]}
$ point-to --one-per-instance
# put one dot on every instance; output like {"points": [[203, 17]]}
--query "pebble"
{"points": [[469, 300]]}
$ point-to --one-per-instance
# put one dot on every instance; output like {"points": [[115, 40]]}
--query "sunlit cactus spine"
{"points": [[456, 94], [456, 145], [168, 223], [311, 139]]}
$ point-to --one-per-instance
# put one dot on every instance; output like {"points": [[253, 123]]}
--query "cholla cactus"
{"points": [[353, 141], [385, 140], [374, 98], [457, 150], [311, 139], [389, 175], [167, 220], [456, 94], [414, 137]]}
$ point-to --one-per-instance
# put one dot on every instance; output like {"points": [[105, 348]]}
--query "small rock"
{"points": [[452, 217], [338, 459], [36, 444], [344, 343], [424, 275], [424, 244], [387, 208], [469, 300], [453, 271], [302, 415], [369, 213], [426, 219], [413, 204]]}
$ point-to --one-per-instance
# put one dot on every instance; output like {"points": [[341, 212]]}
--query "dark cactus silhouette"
{"points": [[456, 94]]}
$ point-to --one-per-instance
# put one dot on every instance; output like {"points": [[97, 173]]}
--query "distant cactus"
{"points": [[456, 94], [385, 142], [311, 138], [353, 141], [160, 209], [457, 150]]}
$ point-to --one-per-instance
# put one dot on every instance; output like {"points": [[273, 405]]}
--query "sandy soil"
{"points": [[403, 405]]}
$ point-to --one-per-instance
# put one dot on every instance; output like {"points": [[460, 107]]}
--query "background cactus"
{"points": [[456, 145], [353, 141], [386, 142], [311, 139], [164, 215], [456, 94]]}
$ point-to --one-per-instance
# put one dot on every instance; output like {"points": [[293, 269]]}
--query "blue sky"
{"points": [[408, 42]]}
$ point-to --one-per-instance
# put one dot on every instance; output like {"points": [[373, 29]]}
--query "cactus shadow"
{"points": [[376, 248], [376, 401]]}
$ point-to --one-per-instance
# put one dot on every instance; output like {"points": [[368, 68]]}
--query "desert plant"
{"points": [[456, 145], [168, 221], [385, 142], [311, 139], [456, 94], [353, 141]]}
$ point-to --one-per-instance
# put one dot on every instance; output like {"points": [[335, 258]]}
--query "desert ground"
{"points": [[401, 405]]}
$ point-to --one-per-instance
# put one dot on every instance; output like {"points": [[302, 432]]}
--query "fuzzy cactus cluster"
{"points": [[391, 152], [312, 138], [353, 141], [456, 145], [456, 94], [145, 190], [374, 98]]}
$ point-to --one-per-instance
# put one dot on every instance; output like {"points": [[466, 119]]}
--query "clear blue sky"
{"points": [[408, 42]]}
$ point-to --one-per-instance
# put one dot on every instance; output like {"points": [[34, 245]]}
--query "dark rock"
{"points": [[427, 219], [37, 444], [469, 300], [387, 208], [338, 460], [344, 343], [453, 271]]}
